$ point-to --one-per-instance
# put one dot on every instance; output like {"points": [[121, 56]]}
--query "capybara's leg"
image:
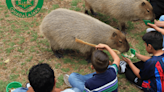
{"points": [[86, 12], [56, 50], [92, 12], [57, 53], [123, 27], [87, 7], [88, 59], [68, 51], [88, 55]]}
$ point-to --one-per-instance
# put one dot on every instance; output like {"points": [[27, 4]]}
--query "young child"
{"points": [[105, 77], [157, 26], [42, 79], [148, 73]]}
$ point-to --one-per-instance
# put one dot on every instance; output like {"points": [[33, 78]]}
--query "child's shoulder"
{"points": [[113, 66], [154, 59]]}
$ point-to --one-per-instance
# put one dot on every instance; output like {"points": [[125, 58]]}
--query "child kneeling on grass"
{"points": [[149, 72], [105, 77], [42, 79]]}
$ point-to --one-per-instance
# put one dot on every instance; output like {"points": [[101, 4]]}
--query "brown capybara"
{"points": [[122, 10], [62, 26]]}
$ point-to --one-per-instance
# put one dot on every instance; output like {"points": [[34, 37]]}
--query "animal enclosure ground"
{"points": [[24, 46]]}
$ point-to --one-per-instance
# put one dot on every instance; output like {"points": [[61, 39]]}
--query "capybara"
{"points": [[122, 10], [62, 26]]}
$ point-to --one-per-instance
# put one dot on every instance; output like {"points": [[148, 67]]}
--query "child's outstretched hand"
{"points": [[152, 25], [159, 23], [126, 60], [101, 46]]}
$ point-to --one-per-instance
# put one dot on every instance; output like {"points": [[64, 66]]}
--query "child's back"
{"points": [[103, 81], [105, 78], [153, 74]]}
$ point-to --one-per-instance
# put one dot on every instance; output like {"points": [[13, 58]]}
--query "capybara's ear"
{"points": [[114, 34], [143, 3]]}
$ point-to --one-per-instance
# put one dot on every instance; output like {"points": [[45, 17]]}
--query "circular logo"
{"points": [[25, 8]]}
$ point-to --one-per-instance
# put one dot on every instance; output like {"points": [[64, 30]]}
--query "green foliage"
{"points": [[27, 72], [83, 62], [7, 15], [13, 77], [21, 40], [77, 9], [13, 70], [121, 76], [115, 20], [43, 10], [57, 65], [23, 72], [67, 60], [65, 69], [4, 67], [55, 6], [130, 26], [76, 67], [75, 2], [32, 49], [133, 89], [5, 12], [20, 50], [8, 50], [41, 61], [3, 85], [45, 42], [29, 59], [60, 81], [11, 44], [103, 18], [34, 35], [24, 23], [23, 63]]}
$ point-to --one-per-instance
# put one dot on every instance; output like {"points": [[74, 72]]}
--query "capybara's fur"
{"points": [[122, 10], [61, 26]]}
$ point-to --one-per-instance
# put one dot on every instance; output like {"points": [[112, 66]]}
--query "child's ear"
{"points": [[55, 81], [92, 67], [150, 46]]}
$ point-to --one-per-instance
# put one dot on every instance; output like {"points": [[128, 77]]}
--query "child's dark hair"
{"points": [[154, 38], [41, 78], [100, 61]]}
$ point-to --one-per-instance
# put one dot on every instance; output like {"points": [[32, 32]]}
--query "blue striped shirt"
{"points": [[103, 82]]}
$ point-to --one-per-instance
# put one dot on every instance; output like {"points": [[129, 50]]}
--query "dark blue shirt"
{"points": [[103, 82], [153, 74]]}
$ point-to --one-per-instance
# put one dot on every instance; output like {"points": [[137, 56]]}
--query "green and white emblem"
{"points": [[23, 6]]}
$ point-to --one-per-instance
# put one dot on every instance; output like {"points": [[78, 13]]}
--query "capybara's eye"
{"points": [[147, 10], [120, 41]]}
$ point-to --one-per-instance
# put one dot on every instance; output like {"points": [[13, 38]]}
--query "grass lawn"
{"points": [[24, 46]]}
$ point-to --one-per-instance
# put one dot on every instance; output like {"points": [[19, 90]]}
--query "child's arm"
{"points": [[159, 23], [30, 89], [157, 28], [113, 54], [142, 57], [135, 70]]}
